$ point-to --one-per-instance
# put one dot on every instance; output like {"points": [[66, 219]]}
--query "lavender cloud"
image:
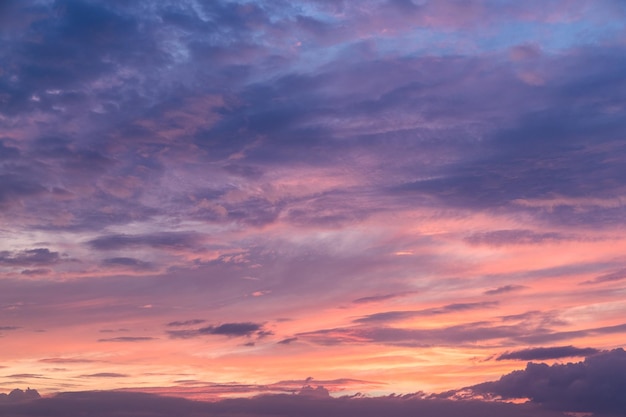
{"points": [[542, 353]]}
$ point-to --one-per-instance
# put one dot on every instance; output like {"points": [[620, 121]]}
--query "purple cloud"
{"points": [[596, 385], [542, 353], [309, 402], [226, 329]]}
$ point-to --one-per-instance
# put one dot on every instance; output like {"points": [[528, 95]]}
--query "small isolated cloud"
{"points": [[66, 360], [287, 341], [127, 339], [377, 298], [8, 328], [227, 329], [596, 385], [192, 322], [543, 353], [104, 375], [504, 289]]}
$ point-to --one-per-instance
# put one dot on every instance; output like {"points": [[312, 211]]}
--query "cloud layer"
{"points": [[406, 195]]}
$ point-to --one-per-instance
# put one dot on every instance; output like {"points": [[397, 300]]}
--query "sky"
{"points": [[248, 206]]}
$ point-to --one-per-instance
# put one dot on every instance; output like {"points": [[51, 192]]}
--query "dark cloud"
{"points": [[127, 262], [596, 385], [504, 289], [543, 353], [13, 187], [549, 337], [104, 375], [192, 322], [287, 341], [311, 401], [37, 376], [127, 339], [29, 257], [66, 360], [19, 396], [375, 298], [225, 329], [403, 315], [34, 272], [5, 328], [171, 240]]}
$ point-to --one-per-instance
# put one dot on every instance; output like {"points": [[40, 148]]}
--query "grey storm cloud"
{"points": [[596, 385], [542, 353]]}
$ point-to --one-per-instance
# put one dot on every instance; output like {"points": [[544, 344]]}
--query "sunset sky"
{"points": [[219, 199]]}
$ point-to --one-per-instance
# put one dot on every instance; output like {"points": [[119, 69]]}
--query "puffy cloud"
{"points": [[596, 385], [19, 396]]}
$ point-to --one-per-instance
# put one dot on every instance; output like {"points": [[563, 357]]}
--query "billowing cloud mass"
{"points": [[597, 385], [402, 195]]}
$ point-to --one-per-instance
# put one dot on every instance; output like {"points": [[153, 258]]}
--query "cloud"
{"points": [[127, 262], [542, 353], [609, 277], [173, 240], [377, 298], [513, 237], [128, 339], [186, 323], [19, 396], [29, 257], [66, 360], [505, 289], [311, 401], [403, 315], [596, 385], [238, 329], [104, 375]]}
